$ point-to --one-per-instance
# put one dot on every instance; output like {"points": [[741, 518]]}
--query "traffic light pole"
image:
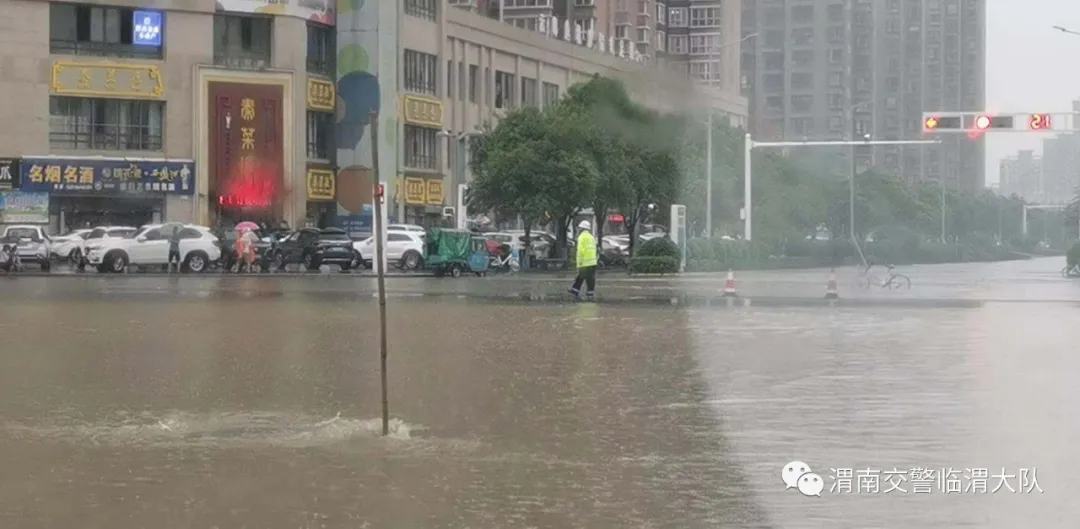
{"points": [[750, 145]]}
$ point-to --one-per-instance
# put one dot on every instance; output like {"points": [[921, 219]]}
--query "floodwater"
{"points": [[161, 411]]}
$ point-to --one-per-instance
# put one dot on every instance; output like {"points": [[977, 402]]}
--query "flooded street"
{"points": [[254, 402]]}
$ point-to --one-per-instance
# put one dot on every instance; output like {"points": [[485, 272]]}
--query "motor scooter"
{"points": [[9, 258]]}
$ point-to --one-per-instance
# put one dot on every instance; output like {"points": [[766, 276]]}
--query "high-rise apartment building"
{"points": [[700, 35], [842, 68], [1022, 175], [1061, 166]]}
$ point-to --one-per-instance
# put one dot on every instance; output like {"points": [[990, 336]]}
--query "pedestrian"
{"points": [[174, 249], [586, 262]]}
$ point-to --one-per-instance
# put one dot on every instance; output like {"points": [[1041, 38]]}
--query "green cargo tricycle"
{"points": [[455, 252]]}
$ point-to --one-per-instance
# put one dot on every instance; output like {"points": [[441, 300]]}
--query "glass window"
{"points": [[421, 71], [189, 233], [24, 233], [321, 49], [105, 124], [551, 93], [705, 17], [397, 237], [152, 235], [96, 30], [426, 9], [320, 132], [242, 41], [421, 147], [334, 236], [97, 233]]}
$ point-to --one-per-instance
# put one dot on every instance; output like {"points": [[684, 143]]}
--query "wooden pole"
{"points": [[377, 228]]}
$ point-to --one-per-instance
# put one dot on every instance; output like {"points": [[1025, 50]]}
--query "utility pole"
{"points": [[708, 174], [377, 193]]}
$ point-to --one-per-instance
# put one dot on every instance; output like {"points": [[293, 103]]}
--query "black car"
{"points": [[313, 248]]}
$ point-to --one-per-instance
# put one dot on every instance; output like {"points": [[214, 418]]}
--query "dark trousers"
{"points": [[587, 275], [174, 256]]}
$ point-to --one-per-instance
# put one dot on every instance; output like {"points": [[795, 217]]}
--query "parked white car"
{"points": [[406, 227], [68, 245], [406, 248], [100, 233], [150, 247], [34, 245]]}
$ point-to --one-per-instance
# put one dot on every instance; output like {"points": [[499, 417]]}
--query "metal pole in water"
{"points": [[377, 196]]}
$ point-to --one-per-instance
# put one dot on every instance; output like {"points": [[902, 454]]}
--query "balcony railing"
{"points": [[242, 60], [320, 66], [103, 49]]}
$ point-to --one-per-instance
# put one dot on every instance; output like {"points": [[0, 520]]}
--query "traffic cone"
{"points": [[729, 286], [830, 291]]}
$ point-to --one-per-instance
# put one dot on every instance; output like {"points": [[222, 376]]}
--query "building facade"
{"points": [[206, 111], [832, 69], [460, 70], [146, 112], [1022, 175]]}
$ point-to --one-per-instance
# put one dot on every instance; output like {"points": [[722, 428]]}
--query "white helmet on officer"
{"points": [[585, 225]]}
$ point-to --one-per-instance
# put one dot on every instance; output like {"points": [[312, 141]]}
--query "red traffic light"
{"points": [[378, 190], [983, 122], [1040, 122]]}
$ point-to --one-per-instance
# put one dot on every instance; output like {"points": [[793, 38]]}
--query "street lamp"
{"points": [[709, 142]]}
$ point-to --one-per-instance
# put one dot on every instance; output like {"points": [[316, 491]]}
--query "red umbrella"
{"points": [[247, 225]]}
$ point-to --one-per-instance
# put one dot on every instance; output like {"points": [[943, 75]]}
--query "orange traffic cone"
{"points": [[729, 286], [830, 291]]}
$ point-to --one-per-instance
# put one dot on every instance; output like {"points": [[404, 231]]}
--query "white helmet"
{"points": [[584, 225]]}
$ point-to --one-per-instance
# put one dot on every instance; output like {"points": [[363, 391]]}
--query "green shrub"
{"points": [[654, 265], [658, 247], [1073, 257]]}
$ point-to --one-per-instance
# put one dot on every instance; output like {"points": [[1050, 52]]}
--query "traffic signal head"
{"points": [[984, 122], [931, 123]]}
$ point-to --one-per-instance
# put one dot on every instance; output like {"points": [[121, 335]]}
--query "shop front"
{"points": [[246, 152], [424, 200], [321, 196], [96, 191]]}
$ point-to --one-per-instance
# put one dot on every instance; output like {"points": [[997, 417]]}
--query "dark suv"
{"points": [[313, 248]]}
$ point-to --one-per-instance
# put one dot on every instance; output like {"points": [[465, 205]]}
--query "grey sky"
{"points": [[1029, 67]]}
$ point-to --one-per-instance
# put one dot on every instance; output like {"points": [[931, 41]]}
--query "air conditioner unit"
{"points": [[448, 212]]}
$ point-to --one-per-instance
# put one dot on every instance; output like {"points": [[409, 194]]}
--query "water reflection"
{"points": [[260, 410]]}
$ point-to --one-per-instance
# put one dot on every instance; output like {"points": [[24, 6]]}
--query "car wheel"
{"points": [[195, 262], [279, 262], [310, 263], [117, 262], [455, 270], [411, 260]]}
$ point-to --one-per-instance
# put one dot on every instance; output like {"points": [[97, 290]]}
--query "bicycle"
{"points": [[892, 281], [507, 261]]}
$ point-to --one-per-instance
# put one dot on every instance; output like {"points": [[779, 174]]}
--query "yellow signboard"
{"points": [[127, 81], [434, 192], [320, 94], [415, 191], [321, 184], [422, 111]]}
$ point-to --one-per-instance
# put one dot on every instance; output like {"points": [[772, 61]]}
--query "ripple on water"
{"points": [[212, 430]]}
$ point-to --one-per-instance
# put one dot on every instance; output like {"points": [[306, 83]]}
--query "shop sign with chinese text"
{"points": [[321, 184], [434, 192], [107, 175], [125, 81], [422, 111], [320, 95], [8, 173]]}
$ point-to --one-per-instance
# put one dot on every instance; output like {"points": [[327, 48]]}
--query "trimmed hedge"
{"points": [[647, 264], [658, 247]]}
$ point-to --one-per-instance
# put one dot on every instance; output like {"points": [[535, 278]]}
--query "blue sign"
{"points": [[107, 175], [358, 225], [146, 28]]}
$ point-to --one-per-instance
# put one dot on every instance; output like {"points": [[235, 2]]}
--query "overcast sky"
{"points": [[1029, 67]]}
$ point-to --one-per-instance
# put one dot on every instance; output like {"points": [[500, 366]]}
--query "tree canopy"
{"points": [[597, 148]]}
